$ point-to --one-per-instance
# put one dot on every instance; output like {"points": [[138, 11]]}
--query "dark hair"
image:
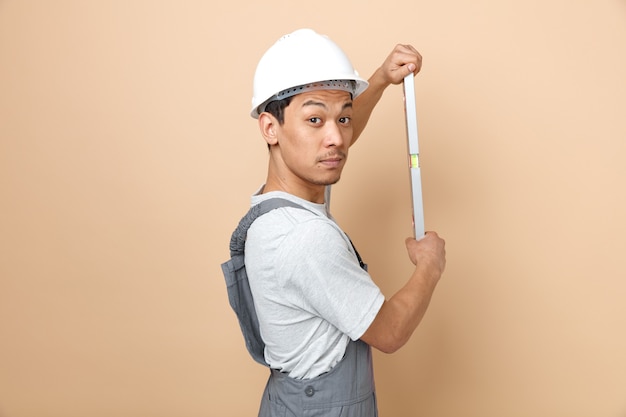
{"points": [[277, 108]]}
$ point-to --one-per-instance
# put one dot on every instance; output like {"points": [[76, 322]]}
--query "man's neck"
{"points": [[312, 193]]}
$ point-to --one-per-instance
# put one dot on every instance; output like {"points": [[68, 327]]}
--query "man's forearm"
{"points": [[412, 301], [399, 316]]}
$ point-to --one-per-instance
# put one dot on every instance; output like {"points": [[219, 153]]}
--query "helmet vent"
{"points": [[344, 85]]}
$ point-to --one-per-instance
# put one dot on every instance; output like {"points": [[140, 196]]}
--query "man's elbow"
{"points": [[388, 348], [393, 343], [389, 342]]}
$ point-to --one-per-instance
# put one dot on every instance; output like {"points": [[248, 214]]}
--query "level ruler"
{"points": [[414, 156]]}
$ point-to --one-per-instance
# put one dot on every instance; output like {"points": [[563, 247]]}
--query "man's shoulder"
{"points": [[292, 224], [288, 218]]}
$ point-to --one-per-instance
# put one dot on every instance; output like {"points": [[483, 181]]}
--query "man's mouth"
{"points": [[331, 163], [334, 161]]}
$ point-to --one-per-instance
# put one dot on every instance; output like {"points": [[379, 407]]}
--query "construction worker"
{"points": [[312, 312]]}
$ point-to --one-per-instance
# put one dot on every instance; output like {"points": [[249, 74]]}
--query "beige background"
{"points": [[127, 156]]}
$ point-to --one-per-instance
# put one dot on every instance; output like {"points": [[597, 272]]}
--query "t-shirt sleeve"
{"points": [[325, 279]]}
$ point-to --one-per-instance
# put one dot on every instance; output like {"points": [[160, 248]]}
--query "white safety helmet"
{"points": [[302, 61]]}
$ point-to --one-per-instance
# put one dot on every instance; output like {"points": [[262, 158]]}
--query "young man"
{"points": [[318, 309]]}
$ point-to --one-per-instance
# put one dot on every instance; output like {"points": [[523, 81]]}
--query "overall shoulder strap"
{"points": [[238, 238], [237, 285]]}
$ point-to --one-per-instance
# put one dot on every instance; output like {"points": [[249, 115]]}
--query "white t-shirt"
{"points": [[310, 294]]}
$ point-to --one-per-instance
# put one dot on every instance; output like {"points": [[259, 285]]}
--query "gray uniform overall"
{"points": [[347, 390]]}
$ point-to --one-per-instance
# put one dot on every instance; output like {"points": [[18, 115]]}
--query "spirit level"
{"points": [[413, 156]]}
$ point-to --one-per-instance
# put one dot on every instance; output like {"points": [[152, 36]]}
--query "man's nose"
{"points": [[334, 135]]}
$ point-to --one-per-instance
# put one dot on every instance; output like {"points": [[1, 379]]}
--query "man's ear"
{"points": [[268, 125]]}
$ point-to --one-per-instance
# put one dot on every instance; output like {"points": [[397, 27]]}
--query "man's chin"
{"points": [[327, 182]]}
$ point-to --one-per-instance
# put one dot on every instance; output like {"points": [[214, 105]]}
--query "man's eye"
{"points": [[315, 120], [345, 120]]}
